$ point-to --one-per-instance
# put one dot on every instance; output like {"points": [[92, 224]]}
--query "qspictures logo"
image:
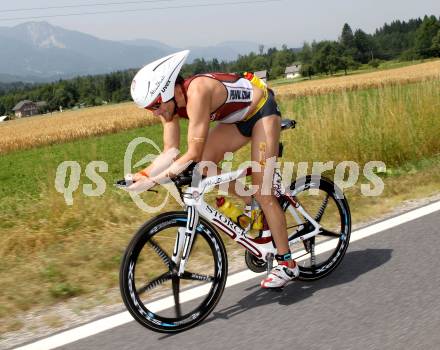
{"points": [[346, 175]]}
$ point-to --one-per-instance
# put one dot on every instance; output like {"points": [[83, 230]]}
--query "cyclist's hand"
{"points": [[139, 176], [142, 185]]}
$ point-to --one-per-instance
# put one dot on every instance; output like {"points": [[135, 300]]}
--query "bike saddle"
{"points": [[288, 124]]}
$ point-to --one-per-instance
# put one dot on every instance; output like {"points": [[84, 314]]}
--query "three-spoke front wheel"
{"points": [[148, 272]]}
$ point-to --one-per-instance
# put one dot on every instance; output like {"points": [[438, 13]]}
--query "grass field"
{"points": [[395, 124], [51, 251]]}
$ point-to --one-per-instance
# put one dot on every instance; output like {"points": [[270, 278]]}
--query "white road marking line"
{"points": [[122, 318]]}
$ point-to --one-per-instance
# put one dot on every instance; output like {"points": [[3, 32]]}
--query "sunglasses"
{"points": [[155, 104]]}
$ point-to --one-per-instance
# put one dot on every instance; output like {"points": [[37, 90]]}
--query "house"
{"points": [[25, 108], [262, 74], [293, 71]]}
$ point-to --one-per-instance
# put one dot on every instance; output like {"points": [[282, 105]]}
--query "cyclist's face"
{"points": [[165, 109]]}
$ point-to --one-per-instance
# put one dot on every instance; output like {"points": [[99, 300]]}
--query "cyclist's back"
{"points": [[240, 93]]}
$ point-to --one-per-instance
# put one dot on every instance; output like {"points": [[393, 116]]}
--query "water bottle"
{"points": [[230, 210], [256, 215]]}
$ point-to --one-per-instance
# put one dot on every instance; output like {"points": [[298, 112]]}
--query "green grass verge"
{"points": [[25, 173]]}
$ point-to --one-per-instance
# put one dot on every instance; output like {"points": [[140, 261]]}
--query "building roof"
{"points": [[3, 118], [20, 104], [261, 73], [293, 69]]}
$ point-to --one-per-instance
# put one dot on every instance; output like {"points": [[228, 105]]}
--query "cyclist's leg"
{"points": [[221, 139], [265, 140]]}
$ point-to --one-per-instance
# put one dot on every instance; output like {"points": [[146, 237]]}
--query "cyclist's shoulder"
{"points": [[209, 78], [198, 84], [201, 84]]}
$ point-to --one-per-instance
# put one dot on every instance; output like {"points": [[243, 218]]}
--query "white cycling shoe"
{"points": [[280, 275]]}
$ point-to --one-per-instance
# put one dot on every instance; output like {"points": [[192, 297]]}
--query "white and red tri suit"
{"points": [[239, 97]]}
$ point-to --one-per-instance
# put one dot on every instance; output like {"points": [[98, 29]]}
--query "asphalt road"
{"points": [[384, 295]]}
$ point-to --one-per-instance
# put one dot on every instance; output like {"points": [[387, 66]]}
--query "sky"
{"points": [[269, 23]]}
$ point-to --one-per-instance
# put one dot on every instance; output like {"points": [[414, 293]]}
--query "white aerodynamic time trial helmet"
{"points": [[155, 82]]}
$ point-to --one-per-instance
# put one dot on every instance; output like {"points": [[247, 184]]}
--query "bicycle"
{"points": [[158, 255]]}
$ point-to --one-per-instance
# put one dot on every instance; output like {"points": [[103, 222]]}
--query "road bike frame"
{"points": [[263, 248]]}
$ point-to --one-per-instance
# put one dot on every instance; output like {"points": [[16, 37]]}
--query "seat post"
{"points": [[280, 149]]}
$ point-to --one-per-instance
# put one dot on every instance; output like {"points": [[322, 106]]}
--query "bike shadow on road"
{"points": [[354, 265]]}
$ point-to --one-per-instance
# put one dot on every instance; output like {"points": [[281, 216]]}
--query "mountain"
{"points": [[227, 51], [44, 51], [39, 51], [150, 43]]}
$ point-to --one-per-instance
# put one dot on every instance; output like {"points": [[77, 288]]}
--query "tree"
{"points": [[425, 36], [199, 66], [215, 65], [306, 55], [307, 70], [259, 63], [276, 71], [9, 101], [436, 45], [365, 46], [348, 62], [409, 55], [111, 84], [374, 63], [260, 49], [243, 63], [327, 57], [349, 50], [393, 39], [61, 98], [271, 51], [334, 58], [281, 59], [347, 37]]}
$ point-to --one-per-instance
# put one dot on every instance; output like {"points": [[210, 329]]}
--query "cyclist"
{"points": [[245, 110]]}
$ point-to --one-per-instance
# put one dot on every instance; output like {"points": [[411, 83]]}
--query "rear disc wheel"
{"points": [[326, 204]]}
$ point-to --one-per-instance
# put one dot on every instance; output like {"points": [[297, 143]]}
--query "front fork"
{"points": [[185, 239], [178, 245]]}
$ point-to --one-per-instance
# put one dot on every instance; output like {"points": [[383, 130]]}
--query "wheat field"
{"points": [[403, 75], [59, 127]]}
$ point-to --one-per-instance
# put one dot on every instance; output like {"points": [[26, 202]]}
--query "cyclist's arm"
{"points": [[171, 133], [171, 143], [198, 107]]}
